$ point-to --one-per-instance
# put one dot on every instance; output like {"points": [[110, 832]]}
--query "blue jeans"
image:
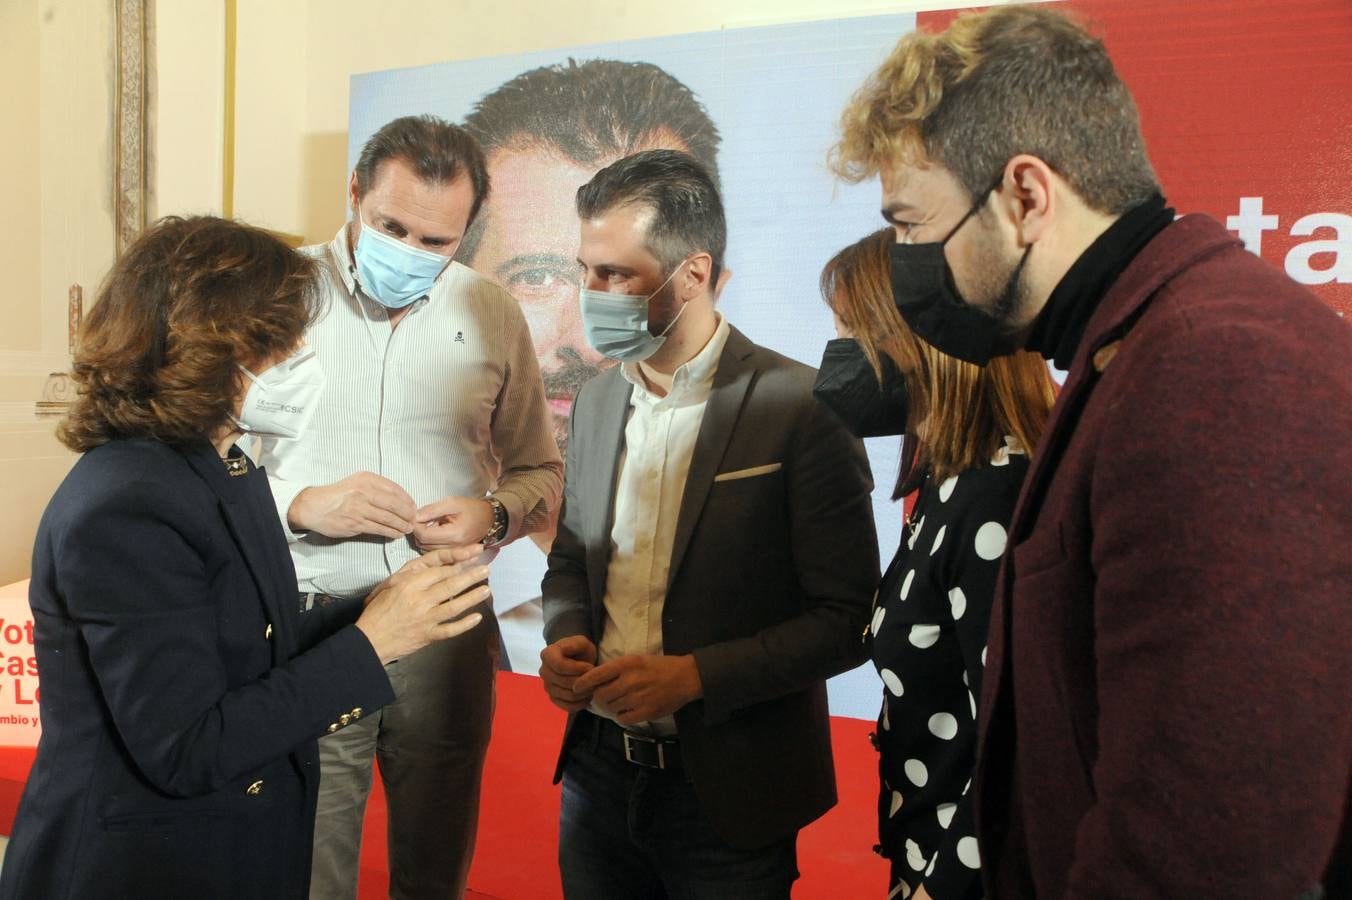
{"points": [[631, 833]]}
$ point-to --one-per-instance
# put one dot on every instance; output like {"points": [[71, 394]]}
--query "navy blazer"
{"points": [[772, 572], [180, 704]]}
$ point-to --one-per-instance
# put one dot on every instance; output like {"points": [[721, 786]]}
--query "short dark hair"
{"points": [[590, 111], [994, 84], [188, 300], [437, 150], [688, 213]]}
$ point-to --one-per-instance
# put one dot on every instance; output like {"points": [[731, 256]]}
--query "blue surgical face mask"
{"points": [[392, 272], [617, 324]]}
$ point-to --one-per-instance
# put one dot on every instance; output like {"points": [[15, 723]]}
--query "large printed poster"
{"points": [[758, 105], [1245, 106]]}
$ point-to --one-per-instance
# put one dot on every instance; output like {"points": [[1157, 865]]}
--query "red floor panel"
{"points": [[518, 830]]}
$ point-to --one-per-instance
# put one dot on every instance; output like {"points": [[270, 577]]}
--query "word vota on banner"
{"points": [[1324, 259]]}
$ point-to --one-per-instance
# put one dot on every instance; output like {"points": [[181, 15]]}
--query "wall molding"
{"points": [[132, 189]]}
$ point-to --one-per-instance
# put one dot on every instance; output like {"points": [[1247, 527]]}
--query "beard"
{"points": [[563, 383], [1010, 310], [1001, 293], [663, 309]]}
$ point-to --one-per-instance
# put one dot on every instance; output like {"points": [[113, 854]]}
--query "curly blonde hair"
{"points": [[995, 84], [186, 302]]}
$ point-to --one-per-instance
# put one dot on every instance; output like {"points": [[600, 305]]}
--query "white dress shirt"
{"points": [[659, 441], [449, 403]]}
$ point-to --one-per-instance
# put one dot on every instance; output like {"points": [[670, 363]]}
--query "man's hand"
{"points": [[452, 522], [443, 557], [561, 664], [642, 688], [423, 603], [364, 503]]}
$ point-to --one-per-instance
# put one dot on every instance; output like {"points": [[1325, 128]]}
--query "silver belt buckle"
{"points": [[630, 739]]}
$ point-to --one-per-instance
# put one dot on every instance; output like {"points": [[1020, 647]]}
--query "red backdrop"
{"points": [[1244, 99]]}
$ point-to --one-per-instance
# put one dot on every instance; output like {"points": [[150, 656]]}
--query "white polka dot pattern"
{"points": [[990, 540], [914, 858], [968, 853], [943, 726], [937, 593], [924, 636], [957, 601]]}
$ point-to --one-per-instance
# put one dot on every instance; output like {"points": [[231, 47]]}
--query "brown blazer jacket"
{"points": [[771, 580], [1167, 708]]}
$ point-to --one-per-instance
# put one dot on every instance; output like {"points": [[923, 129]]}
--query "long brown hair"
{"points": [[959, 413], [186, 302]]}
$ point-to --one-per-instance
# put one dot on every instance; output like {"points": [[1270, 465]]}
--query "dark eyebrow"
{"points": [[532, 259], [426, 238], [609, 269]]}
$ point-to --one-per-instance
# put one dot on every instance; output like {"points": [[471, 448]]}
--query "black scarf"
{"points": [[1058, 329]]}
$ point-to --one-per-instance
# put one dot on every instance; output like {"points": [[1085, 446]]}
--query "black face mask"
{"points": [[923, 290], [846, 384]]}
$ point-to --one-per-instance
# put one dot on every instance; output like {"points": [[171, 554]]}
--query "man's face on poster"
{"points": [[529, 246]]}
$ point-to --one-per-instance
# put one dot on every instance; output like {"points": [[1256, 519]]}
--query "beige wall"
{"points": [[56, 62], [190, 106], [19, 65]]}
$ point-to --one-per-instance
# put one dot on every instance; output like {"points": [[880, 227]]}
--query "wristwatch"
{"points": [[498, 530]]}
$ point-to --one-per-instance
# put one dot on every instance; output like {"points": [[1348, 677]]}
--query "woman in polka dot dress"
{"points": [[967, 430]]}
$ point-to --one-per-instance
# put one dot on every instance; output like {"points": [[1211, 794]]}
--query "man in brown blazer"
{"points": [[1167, 710], [713, 566]]}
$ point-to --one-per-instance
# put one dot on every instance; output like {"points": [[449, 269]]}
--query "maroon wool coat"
{"points": [[1167, 708]]}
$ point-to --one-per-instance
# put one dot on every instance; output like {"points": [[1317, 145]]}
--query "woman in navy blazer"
{"points": [[182, 691]]}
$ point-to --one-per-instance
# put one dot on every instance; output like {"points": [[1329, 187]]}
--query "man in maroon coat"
{"points": [[1167, 710]]}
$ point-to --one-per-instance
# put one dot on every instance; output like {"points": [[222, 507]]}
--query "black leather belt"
{"points": [[648, 751]]}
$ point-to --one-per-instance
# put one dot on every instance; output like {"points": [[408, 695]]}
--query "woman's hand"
{"points": [[425, 601]]}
